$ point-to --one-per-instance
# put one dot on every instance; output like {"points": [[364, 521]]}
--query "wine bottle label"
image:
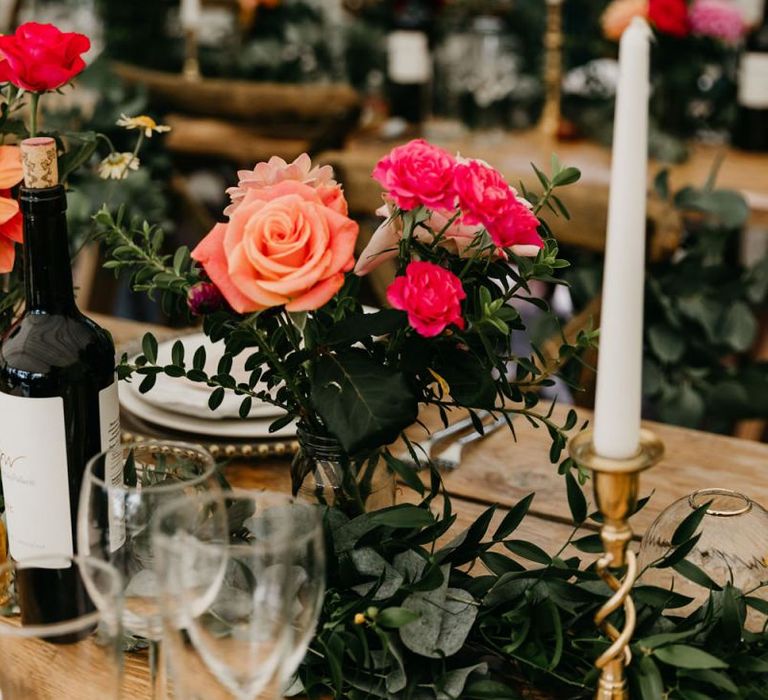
{"points": [[753, 81], [109, 416], [33, 463], [408, 58]]}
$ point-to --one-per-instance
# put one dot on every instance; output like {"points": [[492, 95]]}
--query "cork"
{"points": [[39, 162]]}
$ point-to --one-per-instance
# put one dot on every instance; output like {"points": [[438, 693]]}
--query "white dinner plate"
{"points": [[250, 429], [187, 398]]}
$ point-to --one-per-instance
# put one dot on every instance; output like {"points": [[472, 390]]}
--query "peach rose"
{"points": [[283, 245], [619, 14]]}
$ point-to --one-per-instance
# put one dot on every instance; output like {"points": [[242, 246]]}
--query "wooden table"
{"points": [[498, 470]]}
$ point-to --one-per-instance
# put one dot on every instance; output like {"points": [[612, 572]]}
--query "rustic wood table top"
{"points": [[500, 470]]}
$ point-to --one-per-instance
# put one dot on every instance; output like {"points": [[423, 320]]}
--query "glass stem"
{"points": [[157, 670]]}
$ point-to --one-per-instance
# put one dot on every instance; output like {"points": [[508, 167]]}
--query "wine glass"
{"points": [[79, 656], [122, 490], [242, 578]]}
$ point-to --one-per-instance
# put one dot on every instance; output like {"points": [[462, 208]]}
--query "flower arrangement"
{"points": [[693, 39], [35, 60], [278, 280]]}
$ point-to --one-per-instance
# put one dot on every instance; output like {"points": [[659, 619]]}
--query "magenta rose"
{"points": [[39, 57], [418, 173], [431, 295], [486, 198]]}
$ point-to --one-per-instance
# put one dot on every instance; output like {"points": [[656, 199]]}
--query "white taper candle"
{"points": [[619, 373]]}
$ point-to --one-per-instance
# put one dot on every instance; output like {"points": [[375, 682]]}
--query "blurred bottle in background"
{"points": [[751, 130]]}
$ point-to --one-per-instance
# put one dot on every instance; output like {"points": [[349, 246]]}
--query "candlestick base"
{"points": [[616, 484]]}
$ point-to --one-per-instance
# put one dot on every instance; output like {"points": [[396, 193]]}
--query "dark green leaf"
{"points": [[647, 678], [592, 544], [406, 472], [695, 574], [688, 525], [245, 407], [364, 404], [198, 361], [512, 519], [147, 383], [149, 347], [576, 500], [528, 550], [402, 516], [567, 176], [360, 326], [394, 618], [684, 656], [215, 399]]}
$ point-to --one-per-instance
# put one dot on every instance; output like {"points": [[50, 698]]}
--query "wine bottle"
{"points": [[751, 130], [409, 60], [58, 401]]}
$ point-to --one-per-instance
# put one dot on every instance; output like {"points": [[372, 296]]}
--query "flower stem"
{"points": [[34, 102]]}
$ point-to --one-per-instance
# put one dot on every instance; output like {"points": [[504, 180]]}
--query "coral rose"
{"points": [[670, 16], [282, 246], [431, 295], [39, 57], [10, 216], [618, 16], [418, 173]]}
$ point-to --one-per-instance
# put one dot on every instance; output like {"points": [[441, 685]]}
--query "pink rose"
{"points": [[486, 198], [277, 170], [431, 295], [282, 246], [718, 19], [418, 173]]}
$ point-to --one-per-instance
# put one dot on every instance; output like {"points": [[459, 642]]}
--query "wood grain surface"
{"points": [[500, 470]]}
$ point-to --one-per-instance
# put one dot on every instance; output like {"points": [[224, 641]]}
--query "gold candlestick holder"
{"points": [[616, 483], [549, 123], [191, 69]]}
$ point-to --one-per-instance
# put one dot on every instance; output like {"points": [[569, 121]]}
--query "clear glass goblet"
{"points": [[243, 578], [121, 493], [78, 657]]}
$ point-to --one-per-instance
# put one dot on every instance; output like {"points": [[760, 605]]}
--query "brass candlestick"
{"points": [[191, 70], [549, 123], [616, 484]]}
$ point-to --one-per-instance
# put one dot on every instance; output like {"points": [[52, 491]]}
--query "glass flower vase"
{"points": [[322, 472], [732, 548]]}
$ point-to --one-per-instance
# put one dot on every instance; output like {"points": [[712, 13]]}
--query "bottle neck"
{"points": [[47, 265]]}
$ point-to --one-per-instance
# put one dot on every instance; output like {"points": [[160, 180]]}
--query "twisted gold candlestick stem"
{"points": [[616, 483]]}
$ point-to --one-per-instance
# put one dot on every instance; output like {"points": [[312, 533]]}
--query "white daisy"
{"points": [[117, 165], [144, 122]]}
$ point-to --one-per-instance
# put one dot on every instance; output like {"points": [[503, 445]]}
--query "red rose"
{"points": [[670, 16], [431, 295], [39, 57]]}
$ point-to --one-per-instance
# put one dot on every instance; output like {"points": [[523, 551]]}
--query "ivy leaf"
{"points": [[684, 656]]}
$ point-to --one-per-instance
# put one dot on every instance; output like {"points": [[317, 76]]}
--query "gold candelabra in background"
{"points": [[191, 70], [549, 123], [616, 483]]}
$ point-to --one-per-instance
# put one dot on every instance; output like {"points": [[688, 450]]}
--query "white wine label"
{"points": [[33, 462], [753, 81], [408, 58], [109, 416]]}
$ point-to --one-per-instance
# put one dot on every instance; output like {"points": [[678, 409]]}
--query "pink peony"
{"points": [[320, 178], [418, 173], [431, 295], [717, 19]]}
